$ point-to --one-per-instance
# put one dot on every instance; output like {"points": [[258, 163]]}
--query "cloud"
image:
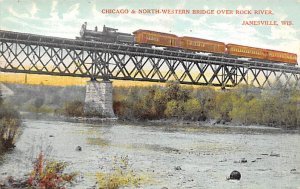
{"points": [[72, 13], [33, 10], [283, 32], [14, 13], [53, 12]]}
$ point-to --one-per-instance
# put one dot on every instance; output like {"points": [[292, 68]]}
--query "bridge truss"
{"points": [[37, 54]]}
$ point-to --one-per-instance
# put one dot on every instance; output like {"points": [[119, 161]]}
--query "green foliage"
{"points": [[1, 99], [121, 175], [244, 105], [174, 109], [224, 104], [10, 122], [43, 99], [49, 174], [246, 111], [175, 92], [38, 103], [192, 109]]}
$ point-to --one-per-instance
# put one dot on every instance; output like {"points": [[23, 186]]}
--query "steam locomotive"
{"points": [[185, 43], [107, 35]]}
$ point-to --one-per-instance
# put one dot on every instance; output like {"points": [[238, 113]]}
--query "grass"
{"points": [[121, 175]]}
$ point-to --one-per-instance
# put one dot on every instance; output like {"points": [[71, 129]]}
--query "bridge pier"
{"points": [[98, 99]]}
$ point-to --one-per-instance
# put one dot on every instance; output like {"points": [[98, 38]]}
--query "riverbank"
{"points": [[165, 124], [246, 105]]}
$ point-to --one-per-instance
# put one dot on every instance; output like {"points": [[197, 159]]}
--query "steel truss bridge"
{"points": [[37, 54]]}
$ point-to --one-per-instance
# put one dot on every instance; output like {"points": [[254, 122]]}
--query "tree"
{"points": [[192, 109], [174, 92], [1, 100], [223, 105], [38, 103], [174, 109]]}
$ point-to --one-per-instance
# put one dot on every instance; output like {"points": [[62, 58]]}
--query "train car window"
{"points": [[151, 38]]}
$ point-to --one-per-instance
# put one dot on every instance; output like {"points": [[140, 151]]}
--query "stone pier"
{"points": [[98, 99]]}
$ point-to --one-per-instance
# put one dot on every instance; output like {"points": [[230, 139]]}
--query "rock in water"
{"points": [[177, 168], [78, 148], [235, 175], [243, 160]]}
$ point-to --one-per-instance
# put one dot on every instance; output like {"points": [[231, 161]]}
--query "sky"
{"points": [[63, 18]]}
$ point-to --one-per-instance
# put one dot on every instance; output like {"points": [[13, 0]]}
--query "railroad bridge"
{"points": [[38, 54]]}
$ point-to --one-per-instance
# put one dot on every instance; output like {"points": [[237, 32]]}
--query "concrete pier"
{"points": [[98, 99]]}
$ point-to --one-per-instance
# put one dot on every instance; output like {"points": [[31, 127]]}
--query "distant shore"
{"points": [[169, 124]]}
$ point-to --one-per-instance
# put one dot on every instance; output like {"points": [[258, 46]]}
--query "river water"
{"points": [[189, 157]]}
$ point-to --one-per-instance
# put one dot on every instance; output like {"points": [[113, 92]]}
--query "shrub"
{"points": [[192, 109], [223, 105], [175, 92], [49, 174], [38, 103], [10, 122], [121, 175], [74, 108], [174, 109]]}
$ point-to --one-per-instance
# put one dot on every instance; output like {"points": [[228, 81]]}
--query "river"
{"points": [[189, 157]]}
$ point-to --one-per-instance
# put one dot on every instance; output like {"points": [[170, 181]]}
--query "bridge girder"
{"points": [[34, 54]]}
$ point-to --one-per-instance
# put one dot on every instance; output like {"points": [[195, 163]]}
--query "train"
{"points": [[150, 38]]}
